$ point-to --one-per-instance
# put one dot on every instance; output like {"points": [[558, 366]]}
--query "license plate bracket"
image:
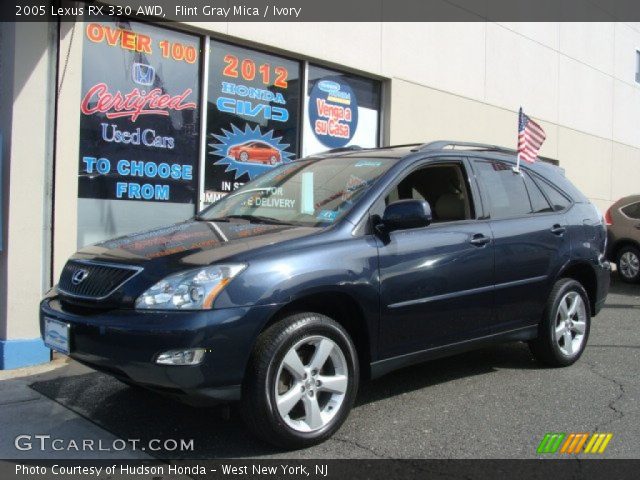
{"points": [[57, 335]]}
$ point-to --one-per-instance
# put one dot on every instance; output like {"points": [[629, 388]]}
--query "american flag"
{"points": [[530, 138]]}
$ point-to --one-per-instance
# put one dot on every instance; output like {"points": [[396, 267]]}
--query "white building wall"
{"points": [[467, 80], [27, 64]]}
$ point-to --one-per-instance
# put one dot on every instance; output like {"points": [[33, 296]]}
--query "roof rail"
{"points": [[401, 145], [349, 148], [442, 144]]}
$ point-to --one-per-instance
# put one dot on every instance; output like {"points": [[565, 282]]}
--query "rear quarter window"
{"points": [[559, 201], [632, 210]]}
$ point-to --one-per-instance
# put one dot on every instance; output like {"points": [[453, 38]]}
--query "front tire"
{"points": [[628, 262], [301, 381], [565, 325]]}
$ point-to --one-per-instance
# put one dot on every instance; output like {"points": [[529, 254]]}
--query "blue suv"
{"points": [[347, 265]]}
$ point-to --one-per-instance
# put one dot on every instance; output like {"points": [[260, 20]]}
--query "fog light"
{"points": [[191, 356]]}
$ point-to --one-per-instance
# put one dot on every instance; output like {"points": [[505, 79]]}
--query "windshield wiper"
{"points": [[250, 218]]}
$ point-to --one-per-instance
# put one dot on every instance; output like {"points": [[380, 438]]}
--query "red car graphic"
{"points": [[256, 152]]}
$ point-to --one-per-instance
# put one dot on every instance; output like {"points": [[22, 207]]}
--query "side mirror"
{"points": [[406, 214]]}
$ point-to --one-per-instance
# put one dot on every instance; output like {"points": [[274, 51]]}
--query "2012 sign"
{"points": [[248, 71]]}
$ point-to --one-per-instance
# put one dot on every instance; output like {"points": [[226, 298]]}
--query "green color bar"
{"points": [[551, 442]]}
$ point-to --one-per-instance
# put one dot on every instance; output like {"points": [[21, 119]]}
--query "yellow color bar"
{"points": [[598, 442], [593, 439], [606, 441]]}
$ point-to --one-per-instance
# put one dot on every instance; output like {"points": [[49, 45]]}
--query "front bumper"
{"points": [[125, 344]]}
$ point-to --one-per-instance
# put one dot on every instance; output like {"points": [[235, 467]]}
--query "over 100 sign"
{"points": [[139, 113]]}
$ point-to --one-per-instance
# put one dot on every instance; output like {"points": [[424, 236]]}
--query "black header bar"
{"points": [[328, 10]]}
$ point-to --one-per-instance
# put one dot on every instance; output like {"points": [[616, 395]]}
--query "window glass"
{"points": [[504, 189], [632, 211], [558, 200], [139, 128], [310, 193], [340, 110], [443, 186], [252, 116], [539, 204]]}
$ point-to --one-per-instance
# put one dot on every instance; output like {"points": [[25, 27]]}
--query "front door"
{"points": [[436, 282]]}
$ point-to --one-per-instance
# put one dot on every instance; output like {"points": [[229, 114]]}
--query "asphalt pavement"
{"points": [[492, 403]]}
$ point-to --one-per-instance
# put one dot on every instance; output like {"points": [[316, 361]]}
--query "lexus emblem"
{"points": [[79, 276]]}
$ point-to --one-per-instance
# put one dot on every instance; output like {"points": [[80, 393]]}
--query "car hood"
{"points": [[191, 243]]}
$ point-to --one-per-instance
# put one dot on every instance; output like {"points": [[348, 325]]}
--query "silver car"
{"points": [[623, 226]]}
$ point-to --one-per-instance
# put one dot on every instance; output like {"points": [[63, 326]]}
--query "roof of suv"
{"points": [[401, 151], [546, 167]]}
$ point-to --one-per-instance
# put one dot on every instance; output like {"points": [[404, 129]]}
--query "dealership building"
{"points": [[112, 126]]}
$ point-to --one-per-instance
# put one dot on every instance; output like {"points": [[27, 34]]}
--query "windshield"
{"points": [[307, 192]]}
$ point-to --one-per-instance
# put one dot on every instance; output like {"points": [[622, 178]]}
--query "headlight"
{"points": [[191, 290]]}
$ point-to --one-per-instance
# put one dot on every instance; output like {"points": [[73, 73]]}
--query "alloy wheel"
{"points": [[311, 383], [629, 265], [571, 323]]}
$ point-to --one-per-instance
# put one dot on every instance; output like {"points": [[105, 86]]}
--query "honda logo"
{"points": [[143, 74], [79, 276]]}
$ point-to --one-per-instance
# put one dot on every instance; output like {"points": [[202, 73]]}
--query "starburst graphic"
{"points": [[238, 136]]}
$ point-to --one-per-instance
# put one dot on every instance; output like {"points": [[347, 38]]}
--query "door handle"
{"points": [[479, 240], [558, 229], [637, 226]]}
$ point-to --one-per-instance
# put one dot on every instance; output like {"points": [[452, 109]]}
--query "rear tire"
{"points": [[301, 381], [628, 263], [566, 321]]}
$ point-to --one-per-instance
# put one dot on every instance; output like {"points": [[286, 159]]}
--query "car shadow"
{"points": [[618, 287], [478, 362], [217, 432]]}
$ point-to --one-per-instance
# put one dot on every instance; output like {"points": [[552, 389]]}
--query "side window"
{"points": [[558, 200], [504, 189], [443, 186], [632, 211], [539, 203]]}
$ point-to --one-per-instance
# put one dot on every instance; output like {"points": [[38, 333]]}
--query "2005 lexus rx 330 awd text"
{"points": [[328, 270]]}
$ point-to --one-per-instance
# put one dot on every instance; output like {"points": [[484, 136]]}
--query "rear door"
{"points": [[531, 241]]}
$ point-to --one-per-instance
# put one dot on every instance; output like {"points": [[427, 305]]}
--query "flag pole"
{"points": [[516, 169]]}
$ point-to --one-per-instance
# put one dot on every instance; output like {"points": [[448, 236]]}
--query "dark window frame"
{"points": [[476, 206]]}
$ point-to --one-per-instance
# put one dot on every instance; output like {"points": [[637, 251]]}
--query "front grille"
{"points": [[100, 280]]}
